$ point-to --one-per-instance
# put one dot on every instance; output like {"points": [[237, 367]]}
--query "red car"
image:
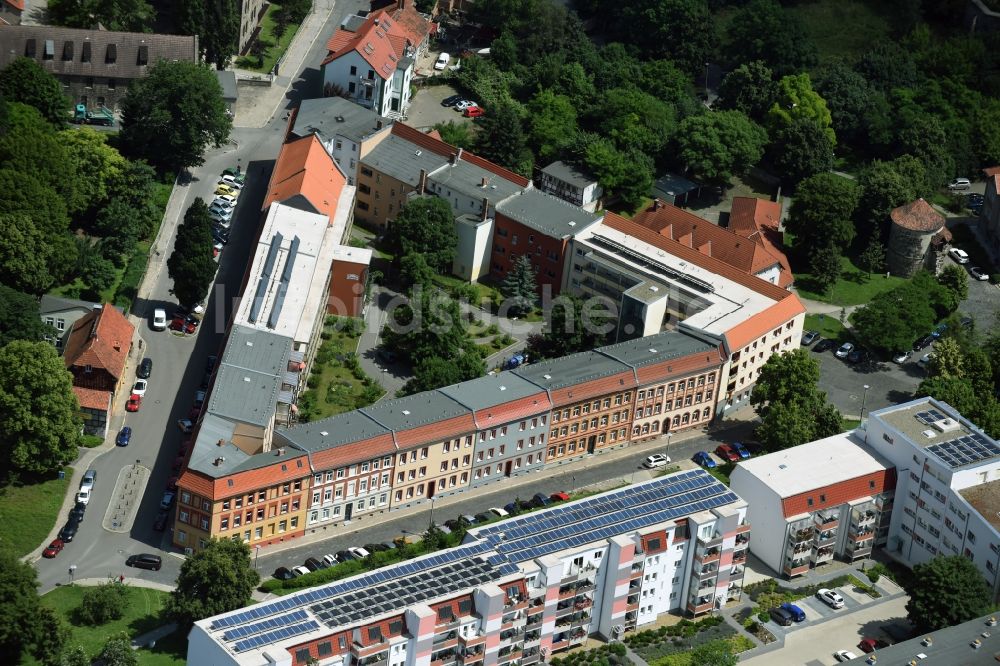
{"points": [[868, 645], [727, 453], [473, 112], [559, 497], [54, 549], [134, 402], [182, 325]]}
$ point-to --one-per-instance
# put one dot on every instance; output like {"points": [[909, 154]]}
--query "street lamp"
{"points": [[430, 523], [864, 400], [256, 557], [669, 435]]}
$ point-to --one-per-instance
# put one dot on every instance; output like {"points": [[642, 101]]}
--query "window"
{"points": [[302, 656], [445, 614], [325, 648]]}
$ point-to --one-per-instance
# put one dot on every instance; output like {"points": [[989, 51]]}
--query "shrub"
{"points": [[313, 381], [103, 603], [91, 441], [873, 575]]}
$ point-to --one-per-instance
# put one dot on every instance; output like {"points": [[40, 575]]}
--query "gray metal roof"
{"points": [[491, 390], [953, 645], [353, 22], [206, 450], [548, 214], [402, 160], [249, 377], [569, 370], [657, 348], [467, 178], [569, 173], [331, 432], [671, 185], [335, 116], [227, 79], [415, 410], [56, 304]]}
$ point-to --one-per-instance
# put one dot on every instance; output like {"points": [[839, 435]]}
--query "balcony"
{"points": [[743, 528], [714, 540], [822, 555], [861, 535], [709, 555], [637, 567], [360, 651], [588, 571], [380, 658], [443, 641], [740, 557], [796, 568], [806, 534], [742, 540], [700, 606], [707, 572], [444, 657], [829, 522]]}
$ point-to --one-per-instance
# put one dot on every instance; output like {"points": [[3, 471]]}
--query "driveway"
{"points": [[888, 383], [426, 111]]}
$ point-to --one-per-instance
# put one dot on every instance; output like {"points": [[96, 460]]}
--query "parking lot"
{"points": [[817, 611], [426, 111]]}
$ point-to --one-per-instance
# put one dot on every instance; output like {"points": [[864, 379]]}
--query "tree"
{"points": [[24, 254], [750, 88], [121, 15], [572, 325], [821, 213], [849, 97], [826, 266], [956, 281], [888, 185], [434, 372], [948, 359], [456, 134], [39, 426], [216, 579], [173, 113], [785, 378], [718, 145], [887, 66], [414, 271], [801, 149], [426, 226], [103, 603], [797, 100], [502, 139], [19, 611], [763, 30], [191, 265], [217, 24], [19, 318], [893, 320], [95, 165], [519, 288], [429, 325], [678, 30], [75, 656], [944, 592], [872, 258], [118, 651], [97, 273], [24, 80], [552, 122], [627, 175]]}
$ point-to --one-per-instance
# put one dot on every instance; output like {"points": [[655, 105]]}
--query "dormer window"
{"points": [[111, 56]]}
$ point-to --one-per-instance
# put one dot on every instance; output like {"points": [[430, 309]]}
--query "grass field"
{"points": [[142, 615], [29, 513], [855, 287], [274, 48], [841, 28], [828, 326]]}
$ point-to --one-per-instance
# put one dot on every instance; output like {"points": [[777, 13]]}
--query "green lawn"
{"points": [[827, 326], [621, 209], [855, 287], [841, 28], [29, 512], [336, 385], [722, 471], [142, 615], [274, 48], [850, 424]]}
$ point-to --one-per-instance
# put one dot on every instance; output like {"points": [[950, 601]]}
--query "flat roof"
{"points": [[942, 432], [336, 116], [547, 214], [985, 498], [415, 410], [491, 390], [727, 302], [953, 645], [571, 370], [355, 255], [403, 160], [673, 185], [467, 178], [285, 291], [206, 450], [333, 431], [657, 348], [598, 517], [817, 464], [569, 173], [249, 376]]}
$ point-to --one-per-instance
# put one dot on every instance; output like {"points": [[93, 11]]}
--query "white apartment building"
{"points": [[516, 591], [948, 487]]}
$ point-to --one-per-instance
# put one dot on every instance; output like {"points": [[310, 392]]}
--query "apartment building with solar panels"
{"points": [[515, 592], [948, 485]]}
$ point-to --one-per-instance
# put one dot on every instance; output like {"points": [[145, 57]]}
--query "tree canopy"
{"points": [[821, 214], [217, 24], [122, 15], [24, 80], [426, 226], [170, 116], [19, 319], [762, 30], [946, 591], [191, 265], [519, 288], [572, 324], [216, 579], [717, 146]]}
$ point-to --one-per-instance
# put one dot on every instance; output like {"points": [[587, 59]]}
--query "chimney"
{"points": [[401, 4], [483, 182], [280, 451], [453, 158], [486, 209], [220, 442], [657, 204], [459, 156], [378, 124], [422, 183], [118, 345]]}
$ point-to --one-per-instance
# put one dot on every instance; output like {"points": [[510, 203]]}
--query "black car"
{"points": [[857, 356], [345, 556], [485, 517], [76, 513], [206, 379], [220, 237], [313, 564], [69, 530], [144, 561], [282, 573], [210, 363], [923, 342], [824, 345], [781, 616], [452, 101], [145, 369], [160, 523], [377, 547]]}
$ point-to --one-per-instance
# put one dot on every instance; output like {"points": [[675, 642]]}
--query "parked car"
{"points": [[124, 436], [473, 112], [974, 200], [845, 349], [53, 548], [89, 479], [159, 319], [231, 181], [844, 655], [68, 531], [960, 256], [219, 220], [313, 564], [742, 450], [160, 523], [464, 104], [299, 571], [781, 616], [83, 497], [225, 190], [797, 613], [359, 553], [345, 556], [144, 561], [498, 512], [824, 345], [656, 460], [167, 500], [183, 325], [902, 357], [199, 398], [809, 337], [830, 598], [857, 355], [923, 342], [210, 363], [185, 425], [145, 369], [510, 507], [77, 512], [978, 273], [451, 100], [139, 388], [222, 208], [959, 184], [485, 517], [540, 500], [559, 497], [727, 453], [134, 403], [702, 458], [237, 173], [226, 201], [283, 573], [442, 61], [927, 358], [869, 645]]}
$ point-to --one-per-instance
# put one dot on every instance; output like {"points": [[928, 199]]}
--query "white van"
{"points": [[959, 184], [159, 319], [442, 61]]}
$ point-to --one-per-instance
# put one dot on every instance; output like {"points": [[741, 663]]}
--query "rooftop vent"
{"points": [[280, 451], [654, 288], [946, 424], [782, 466], [406, 412], [929, 434], [503, 388], [417, 153], [324, 433], [547, 376], [339, 119], [652, 351], [218, 461], [246, 379], [249, 343], [220, 442], [572, 223]]}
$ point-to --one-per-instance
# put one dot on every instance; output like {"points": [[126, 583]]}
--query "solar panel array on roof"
{"points": [[276, 635], [929, 417], [965, 450]]}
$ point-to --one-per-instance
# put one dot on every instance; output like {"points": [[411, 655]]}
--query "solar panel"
{"points": [[271, 623], [276, 635], [965, 450], [929, 417]]}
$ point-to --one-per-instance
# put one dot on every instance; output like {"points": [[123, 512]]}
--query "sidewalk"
{"points": [[268, 100]]}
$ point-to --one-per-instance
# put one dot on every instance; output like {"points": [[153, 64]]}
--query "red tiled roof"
{"points": [[100, 339], [620, 381], [917, 216], [410, 23], [197, 483], [750, 256], [767, 320], [16, 4], [305, 168], [381, 40], [515, 410], [991, 171], [760, 221], [433, 143], [679, 367], [444, 429], [365, 449], [840, 493], [92, 398]]}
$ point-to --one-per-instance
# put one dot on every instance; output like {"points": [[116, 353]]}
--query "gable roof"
{"points": [[92, 398], [16, 4], [436, 145], [336, 116], [50, 303], [100, 339], [707, 238], [917, 216], [304, 168], [760, 220], [382, 40]]}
